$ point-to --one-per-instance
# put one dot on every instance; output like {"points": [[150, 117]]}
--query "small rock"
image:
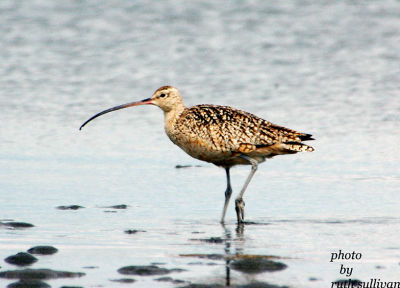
{"points": [[195, 263], [29, 284], [133, 231], [169, 279], [182, 166], [70, 207], [17, 225], [214, 240], [147, 270], [43, 250], [71, 287], [177, 270], [121, 206], [186, 166], [256, 265], [40, 274], [124, 280], [21, 259], [90, 267], [164, 279], [143, 270]]}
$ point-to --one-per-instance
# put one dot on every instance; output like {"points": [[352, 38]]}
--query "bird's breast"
{"points": [[196, 144]]}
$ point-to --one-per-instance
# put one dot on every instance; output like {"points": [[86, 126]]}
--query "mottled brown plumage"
{"points": [[222, 135], [218, 134]]}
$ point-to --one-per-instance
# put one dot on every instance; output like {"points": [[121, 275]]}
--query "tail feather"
{"points": [[306, 137], [298, 147]]}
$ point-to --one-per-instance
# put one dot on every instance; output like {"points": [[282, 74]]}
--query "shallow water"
{"points": [[331, 69]]}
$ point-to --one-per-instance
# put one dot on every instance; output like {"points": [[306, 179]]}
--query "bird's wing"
{"points": [[229, 129]]}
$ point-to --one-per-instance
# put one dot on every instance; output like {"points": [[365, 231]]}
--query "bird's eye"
{"points": [[162, 95]]}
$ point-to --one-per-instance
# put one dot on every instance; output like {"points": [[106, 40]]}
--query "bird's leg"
{"points": [[239, 203], [228, 193]]}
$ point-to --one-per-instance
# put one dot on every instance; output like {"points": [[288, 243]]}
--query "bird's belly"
{"points": [[201, 149], [217, 157]]}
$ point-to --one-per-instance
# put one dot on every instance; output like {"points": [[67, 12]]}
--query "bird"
{"points": [[221, 135]]}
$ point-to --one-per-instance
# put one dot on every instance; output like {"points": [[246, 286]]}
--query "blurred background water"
{"points": [[329, 68]]}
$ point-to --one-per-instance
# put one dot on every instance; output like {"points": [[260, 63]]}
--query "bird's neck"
{"points": [[172, 115]]}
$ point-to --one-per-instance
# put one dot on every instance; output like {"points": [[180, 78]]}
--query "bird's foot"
{"points": [[239, 207]]}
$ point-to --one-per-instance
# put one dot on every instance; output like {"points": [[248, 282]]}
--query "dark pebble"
{"points": [[164, 279], [146, 270], [143, 270], [183, 166], [214, 240], [90, 267], [256, 265], [169, 279], [39, 274], [195, 263], [133, 231], [121, 206], [17, 225], [186, 166], [29, 284], [43, 250], [177, 270], [21, 259], [123, 280], [70, 207], [71, 287]]}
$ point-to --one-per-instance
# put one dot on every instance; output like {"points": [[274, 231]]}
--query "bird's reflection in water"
{"points": [[229, 255], [246, 263], [235, 258]]}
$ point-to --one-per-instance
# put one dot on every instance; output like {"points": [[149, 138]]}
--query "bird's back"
{"points": [[218, 134]]}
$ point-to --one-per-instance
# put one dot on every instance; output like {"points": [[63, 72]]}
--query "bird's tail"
{"points": [[297, 147], [268, 151]]}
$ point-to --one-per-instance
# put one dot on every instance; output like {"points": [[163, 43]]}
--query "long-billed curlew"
{"points": [[221, 135]]}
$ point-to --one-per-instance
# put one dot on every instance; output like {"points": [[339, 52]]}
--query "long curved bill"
{"points": [[143, 102]]}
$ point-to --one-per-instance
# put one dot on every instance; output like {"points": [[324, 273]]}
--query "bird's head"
{"points": [[165, 97]]}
